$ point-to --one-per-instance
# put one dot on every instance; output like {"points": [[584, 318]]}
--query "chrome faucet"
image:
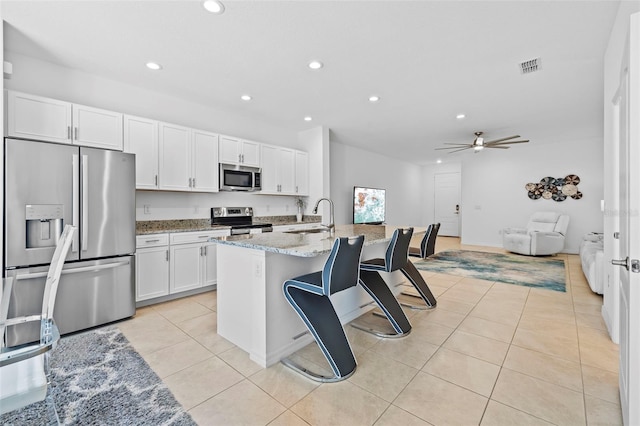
{"points": [[331, 224]]}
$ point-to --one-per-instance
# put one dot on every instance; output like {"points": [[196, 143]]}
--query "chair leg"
{"points": [[378, 289], [52, 413], [412, 273], [318, 314]]}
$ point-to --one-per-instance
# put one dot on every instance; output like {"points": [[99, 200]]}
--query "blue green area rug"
{"points": [[537, 272]]}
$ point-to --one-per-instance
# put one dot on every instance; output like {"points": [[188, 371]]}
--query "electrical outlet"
{"points": [[258, 270], [147, 209]]}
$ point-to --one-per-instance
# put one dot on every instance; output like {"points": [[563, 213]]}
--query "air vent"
{"points": [[532, 65]]}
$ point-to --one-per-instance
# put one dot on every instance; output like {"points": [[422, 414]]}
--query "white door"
{"points": [[447, 203], [629, 133]]}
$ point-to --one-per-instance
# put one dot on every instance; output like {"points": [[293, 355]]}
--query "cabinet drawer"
{"points": [[152, 240], [193, 237]]}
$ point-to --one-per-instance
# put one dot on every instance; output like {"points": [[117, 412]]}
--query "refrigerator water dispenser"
{"points": [[44, 224]]}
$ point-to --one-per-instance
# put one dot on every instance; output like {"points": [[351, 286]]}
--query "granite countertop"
{"points": [[190, 225], [311, 244]]}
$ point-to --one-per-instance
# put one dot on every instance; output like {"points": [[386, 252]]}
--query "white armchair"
{"points": [[543, 235]]}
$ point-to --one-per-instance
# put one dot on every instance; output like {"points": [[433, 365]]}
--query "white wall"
{"points": [[612, 64], [494, 197], [355, 167], [47, 79]]}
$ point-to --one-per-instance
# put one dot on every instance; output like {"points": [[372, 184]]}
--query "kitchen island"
{"points": [[252, 311]]}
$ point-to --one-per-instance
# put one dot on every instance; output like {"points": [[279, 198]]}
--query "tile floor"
{"points": [[489, 354]]}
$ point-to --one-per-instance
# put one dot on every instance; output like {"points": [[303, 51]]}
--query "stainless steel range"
{"points": [[240, 219]]}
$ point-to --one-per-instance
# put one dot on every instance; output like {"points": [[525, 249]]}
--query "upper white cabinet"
{"points": [[238, 151], [45, 119], [141, 138], [188, 159], [278, 170], [302, 173]]}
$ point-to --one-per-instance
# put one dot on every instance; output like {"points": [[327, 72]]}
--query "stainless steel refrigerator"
{"points": [[46, 187]]}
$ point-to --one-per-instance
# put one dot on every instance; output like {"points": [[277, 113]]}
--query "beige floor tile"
{"points": [[440, 316], [395, 416], [440, 402], [196, 384], [547, 343], [239, 359], [209, 299], [179, 312], [341, 403], [463, 370], [203, 324], [486, 349], [601, 384], [498, 414], [552, 369], [550, 327], [587, 309], [486, 328], [586, 298], [283, 384], [313, 353], [214, 342], [602, 413], [553, 403], [288, 418], [496, 313], [511, 291], [475, 285], [177, 357], [145, 319], [148, 340], [230, 407], [359, 340], [454, 305], [462, 295], [430, 332], [382, 376], [412, 352], [549, 313], [597, 349], [589, 320]]}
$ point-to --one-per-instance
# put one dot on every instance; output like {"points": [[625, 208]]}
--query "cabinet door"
{"points": [[152, 273], [38, 118], [97, 128], [175, 157], [141, 139], [302, 173], [269, 177], [209, 269], [287, 171], [229, 150], [250, 154], [205, 161], [186, 269]]}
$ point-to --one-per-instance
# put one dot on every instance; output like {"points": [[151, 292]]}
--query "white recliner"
{"points": [[544, 235]]}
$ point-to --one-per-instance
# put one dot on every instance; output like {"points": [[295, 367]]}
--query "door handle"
{"points": [[621, 262], [74, 271], [75, 201], [85, 202], [634, 263]]}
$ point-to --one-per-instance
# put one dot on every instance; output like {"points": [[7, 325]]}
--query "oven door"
{"points": [[236, 179]]}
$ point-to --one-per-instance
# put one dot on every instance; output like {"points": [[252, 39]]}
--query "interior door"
{"points": [[628, 100], [447, 203]]}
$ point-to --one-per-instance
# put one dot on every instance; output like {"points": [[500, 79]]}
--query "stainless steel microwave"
{"points": [[239, 178]]}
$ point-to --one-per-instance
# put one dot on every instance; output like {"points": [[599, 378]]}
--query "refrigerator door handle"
{"points": [[73, 271], [85, 202], [75, 201]]}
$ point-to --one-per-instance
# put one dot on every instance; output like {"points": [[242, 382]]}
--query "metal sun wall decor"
{"points": [[556, 189]]}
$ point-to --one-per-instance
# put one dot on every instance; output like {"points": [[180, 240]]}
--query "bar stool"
{"points": [[374, 284], [309, 295], [428, 243]]}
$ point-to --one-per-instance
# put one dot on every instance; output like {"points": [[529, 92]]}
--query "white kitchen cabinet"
{"points": [[237, 151], [192, 260], [188, 159], [141, 138], [302, 173], [278, 170], [39, 118], [152, 266]]}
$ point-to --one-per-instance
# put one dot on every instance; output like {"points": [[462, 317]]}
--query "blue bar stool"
{"points": [[309, 295], [374, 284], [428, 243]]}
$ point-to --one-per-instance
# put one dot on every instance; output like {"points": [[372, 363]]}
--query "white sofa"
{"points": [[592, 260], [544, 235]]}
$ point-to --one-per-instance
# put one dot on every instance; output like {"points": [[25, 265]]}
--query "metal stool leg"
{"points": [[412, 273]]}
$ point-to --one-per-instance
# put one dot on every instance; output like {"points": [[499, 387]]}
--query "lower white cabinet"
{"points": [[168, 264]]}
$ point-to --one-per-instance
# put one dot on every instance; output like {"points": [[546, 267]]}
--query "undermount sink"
{"points": [[308, 231]]}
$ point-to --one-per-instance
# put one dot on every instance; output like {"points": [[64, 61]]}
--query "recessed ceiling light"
{"points": [[315, 65], [307, 118], [213, 6], [374, 98], [438, 161], [154, 66], [245, 97], [460, 116]]}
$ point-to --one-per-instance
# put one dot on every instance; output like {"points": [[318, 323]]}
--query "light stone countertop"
{"points": [[311, 244], [190, 225]]}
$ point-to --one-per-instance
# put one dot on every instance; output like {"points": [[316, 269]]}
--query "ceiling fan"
{"points": [[479, 144]]}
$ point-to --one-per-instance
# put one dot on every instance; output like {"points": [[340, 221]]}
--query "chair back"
{"points": [[428, 243], [55, 270], [342, 268], [397, 254]]}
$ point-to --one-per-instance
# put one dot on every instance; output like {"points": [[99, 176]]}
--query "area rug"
{"points": [[527, 271], [99, 379]]}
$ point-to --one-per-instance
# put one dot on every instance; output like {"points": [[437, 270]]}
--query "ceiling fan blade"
{"points": [[455, 147], [506, 143], [462, 149], [502, 139], [498, 146], [459, 144]]}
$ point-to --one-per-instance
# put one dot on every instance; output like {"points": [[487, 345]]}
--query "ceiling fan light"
{"points": [[479, 147]]}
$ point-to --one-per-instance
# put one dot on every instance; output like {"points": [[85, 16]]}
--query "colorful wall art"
{"points": [[556, 189]]}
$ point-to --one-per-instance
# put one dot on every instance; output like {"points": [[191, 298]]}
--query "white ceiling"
{"points": [[427, 60]]}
